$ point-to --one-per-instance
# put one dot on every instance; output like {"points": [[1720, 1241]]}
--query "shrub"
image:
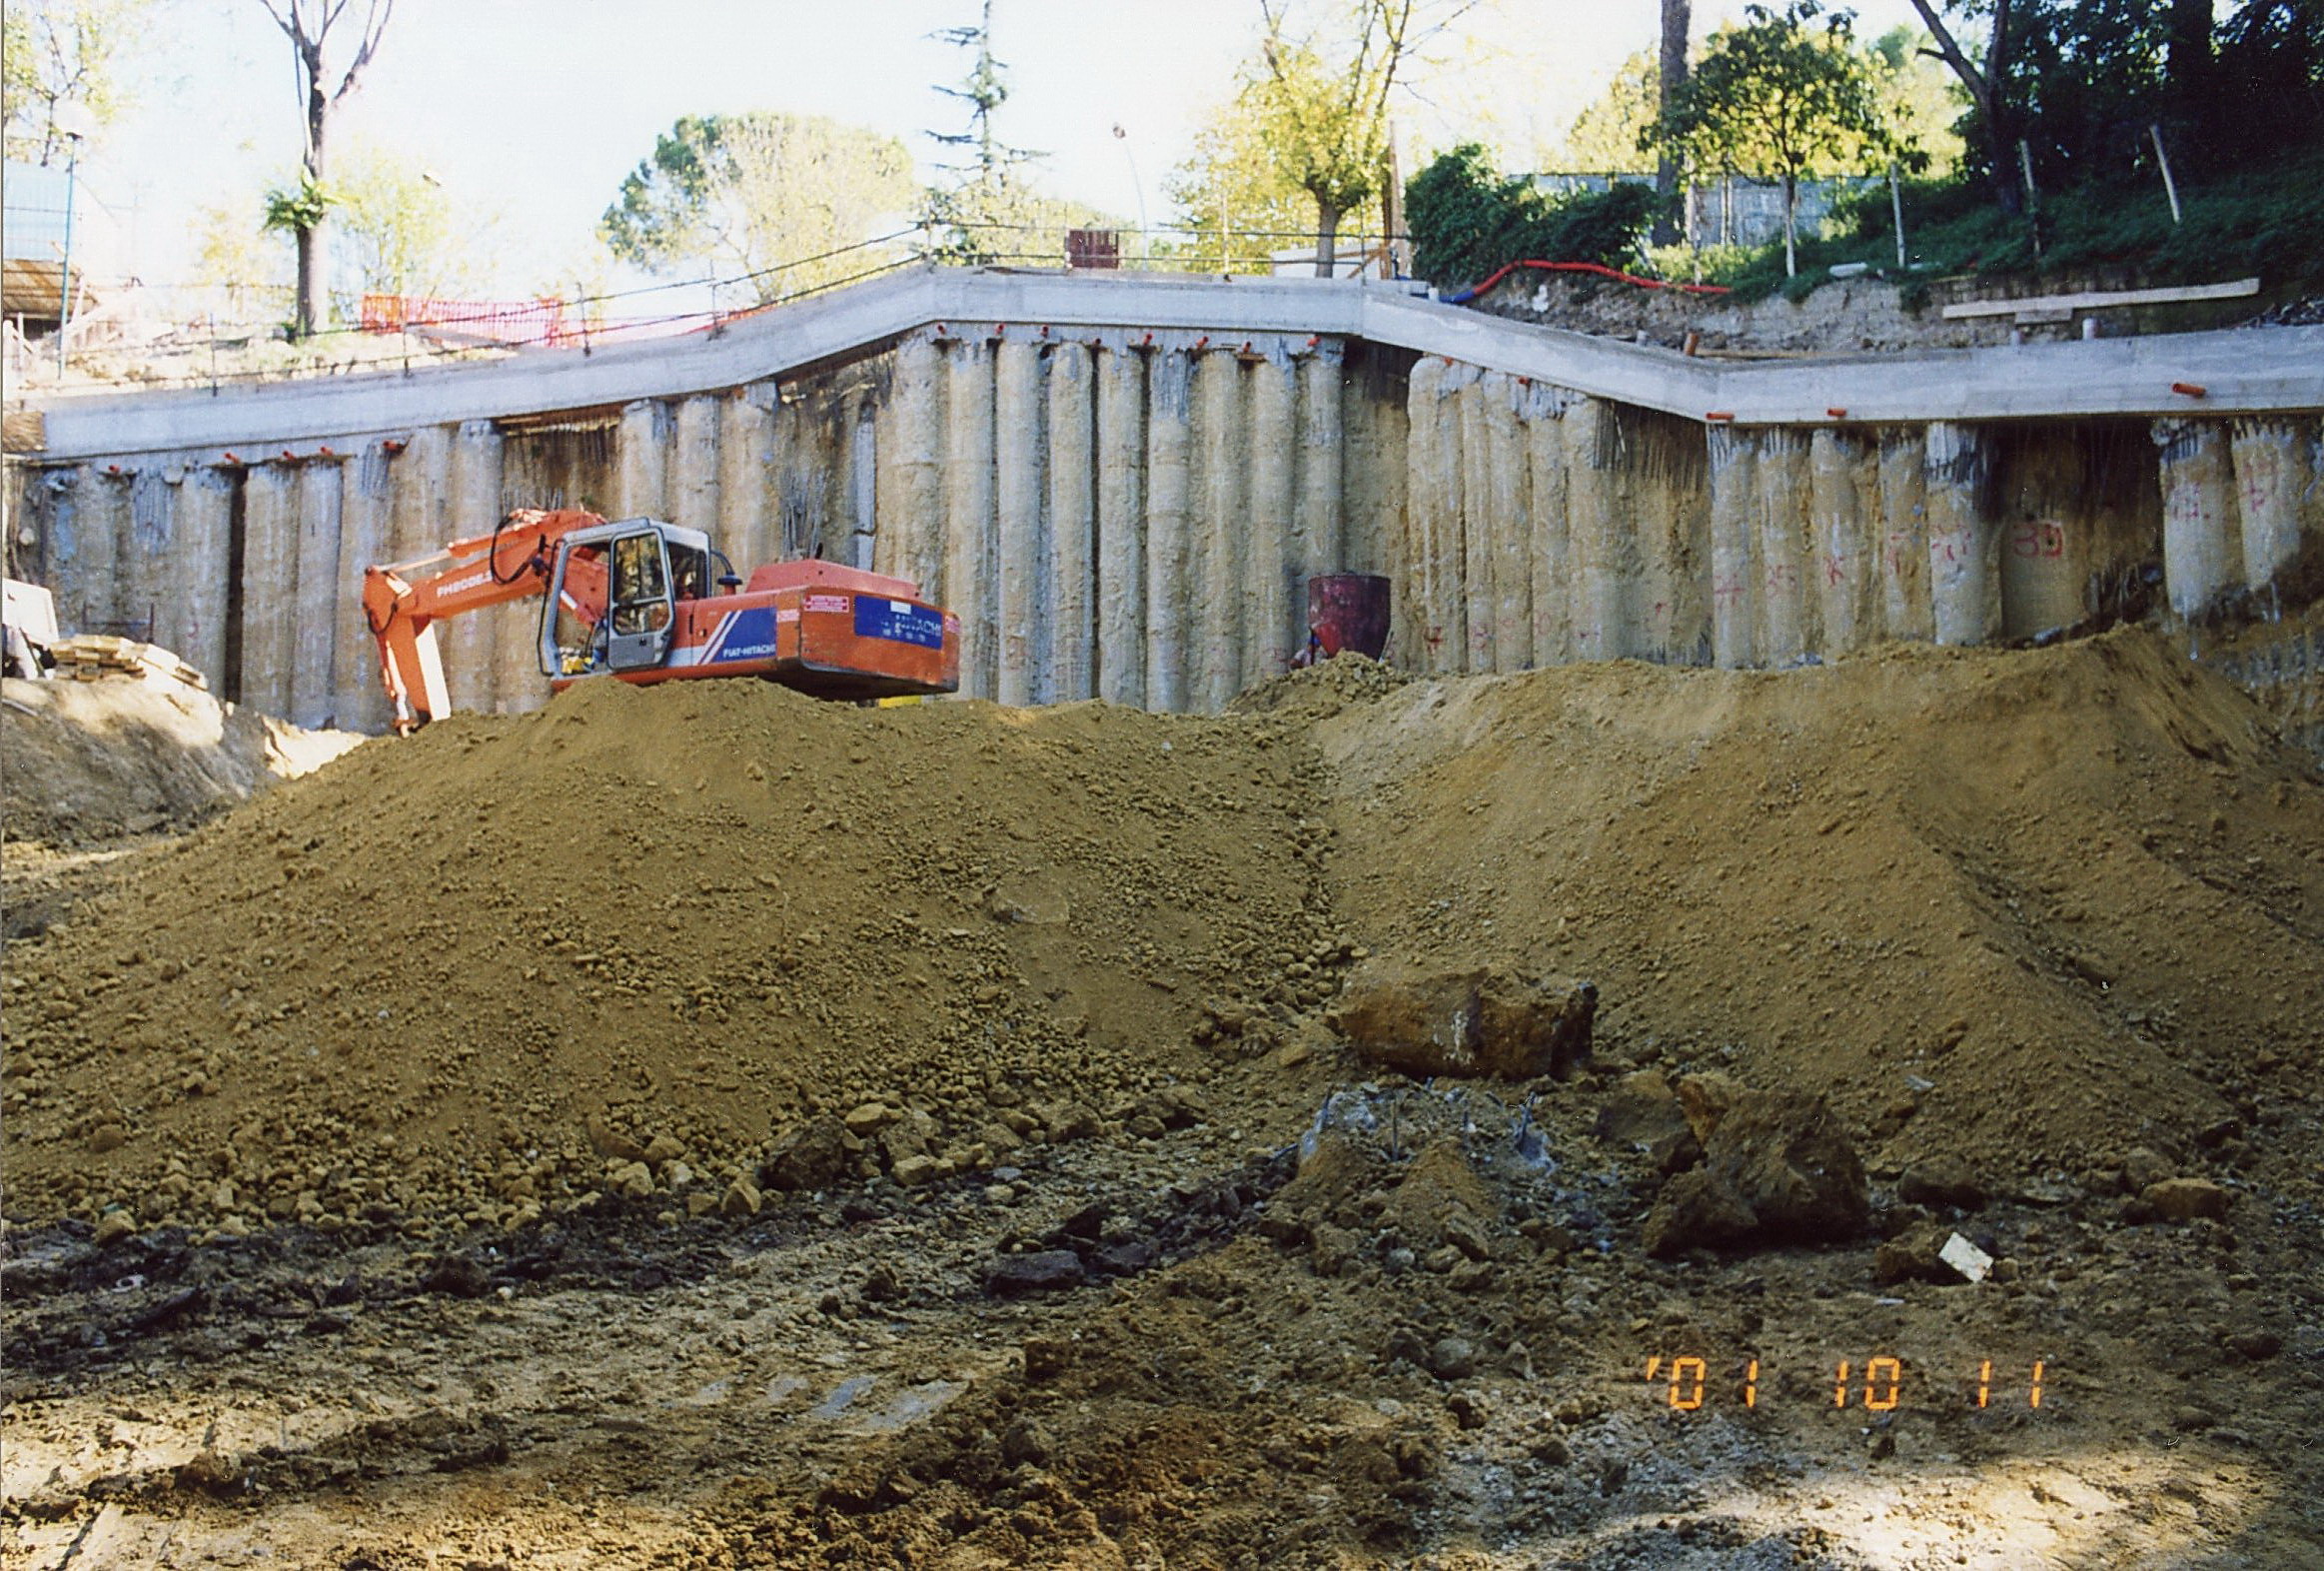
{"points": [[1467, 220]]}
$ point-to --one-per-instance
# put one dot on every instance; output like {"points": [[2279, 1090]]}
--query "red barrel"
{"points": [[1347, 611]]}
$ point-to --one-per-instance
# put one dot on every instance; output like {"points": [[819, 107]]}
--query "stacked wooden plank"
{"points": [[89, 656], [23, 430]]}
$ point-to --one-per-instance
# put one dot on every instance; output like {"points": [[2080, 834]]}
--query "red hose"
{"points": [[1471, 293]]}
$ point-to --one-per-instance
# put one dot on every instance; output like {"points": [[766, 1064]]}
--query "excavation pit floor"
{"points": [[704, 1129]]}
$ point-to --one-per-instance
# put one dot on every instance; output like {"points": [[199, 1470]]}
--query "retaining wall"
{"points": [[1130, 511]]}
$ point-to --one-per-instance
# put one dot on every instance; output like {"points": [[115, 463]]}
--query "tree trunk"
{"points": [[2001, 153], [1327, 237], [1671, 76], [306, 308], [1791, 239], [312, 310], [2187, 72]]}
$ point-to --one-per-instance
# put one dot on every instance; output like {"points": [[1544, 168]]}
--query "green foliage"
{"points": [[1919, 103], [993, 198], [2082, 82], [65, 51], [748, 192], [1011, 220], [1465, 219], [2267, 222], [248, 273], [1693, 264], [1595, 226], [1327, 127], [1322, 98], [1607, 135], [294, 209], [1235, 197], [19, 82], [1468, 220], [398, 231], [1778, 99]]}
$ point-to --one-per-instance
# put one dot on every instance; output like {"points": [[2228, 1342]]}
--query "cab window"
{"points": [[641, 592], [689, 572]]}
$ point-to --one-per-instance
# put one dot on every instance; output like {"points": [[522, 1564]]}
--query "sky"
{"points": [[532, 111]]}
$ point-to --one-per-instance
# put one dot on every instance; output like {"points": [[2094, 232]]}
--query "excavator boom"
{"points": [[402, 606]]}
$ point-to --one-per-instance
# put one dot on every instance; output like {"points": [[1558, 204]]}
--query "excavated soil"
{"points": [[2023, 910], [91, 761], [699, 1126], [97, 774]]}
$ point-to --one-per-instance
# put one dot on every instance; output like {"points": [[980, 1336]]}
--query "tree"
{"points": [[1235, 184], [246, 276], [2074, 89], [2192, 60], [1918, 102], [1986, 81], [1671, 85], [1324, 101], [1777, 98], [1467, 219], [302, 210], [766, 194], [991, 193], [1606, 136], [398, 230], [65, 51], [2269, 89]]}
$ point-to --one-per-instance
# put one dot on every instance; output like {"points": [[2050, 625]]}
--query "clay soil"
{"points": [[697, 1127]]}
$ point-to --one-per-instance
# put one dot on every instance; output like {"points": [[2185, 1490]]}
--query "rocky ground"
{"points": [[1223, 1181], [1416, 1340]]}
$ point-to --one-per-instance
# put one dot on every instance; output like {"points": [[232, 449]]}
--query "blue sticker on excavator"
{"points": [[747, 635], [898, 621]]}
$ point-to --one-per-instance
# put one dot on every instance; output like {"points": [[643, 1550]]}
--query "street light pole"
{"points": [[1145, 240], [75, 121], [65, 280]]}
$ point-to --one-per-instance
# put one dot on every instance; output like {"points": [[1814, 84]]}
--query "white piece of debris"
{"points": [[1965, 1258]]}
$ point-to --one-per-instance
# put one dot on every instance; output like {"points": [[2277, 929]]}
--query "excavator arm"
{"points": [[514, 562]]}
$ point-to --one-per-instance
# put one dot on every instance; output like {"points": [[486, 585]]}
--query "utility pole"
{"points": [[76, 122]]}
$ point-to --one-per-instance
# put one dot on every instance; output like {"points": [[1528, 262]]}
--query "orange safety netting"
{"points": [[544, 321]]}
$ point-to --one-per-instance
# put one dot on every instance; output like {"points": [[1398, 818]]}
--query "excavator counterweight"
{"points": [[634, 599]]}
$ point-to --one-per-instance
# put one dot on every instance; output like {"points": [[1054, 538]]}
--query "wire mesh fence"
{"points": [[217, 335]]}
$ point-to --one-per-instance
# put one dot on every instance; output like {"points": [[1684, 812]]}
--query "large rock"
{"points": [[2186, 1199], [1042, 1271], [812, 1156], [1469, 1021], [1942, 1182], [1779, 1157]]}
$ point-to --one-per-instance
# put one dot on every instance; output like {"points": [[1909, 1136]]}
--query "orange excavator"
{"points": [[632, 598]]}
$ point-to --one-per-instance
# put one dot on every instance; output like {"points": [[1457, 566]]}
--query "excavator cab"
{"points": [[614, 595]]}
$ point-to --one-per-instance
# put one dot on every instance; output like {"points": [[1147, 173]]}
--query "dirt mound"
{"points": [[631, 942], [92, 760], [2021, 908], [1320, 691]]}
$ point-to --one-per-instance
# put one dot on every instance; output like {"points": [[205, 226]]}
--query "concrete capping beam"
{"points": [[2233, 372], [2236, 371]]}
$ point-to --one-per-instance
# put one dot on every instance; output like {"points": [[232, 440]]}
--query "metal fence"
{"points": [[1729, 212]]}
